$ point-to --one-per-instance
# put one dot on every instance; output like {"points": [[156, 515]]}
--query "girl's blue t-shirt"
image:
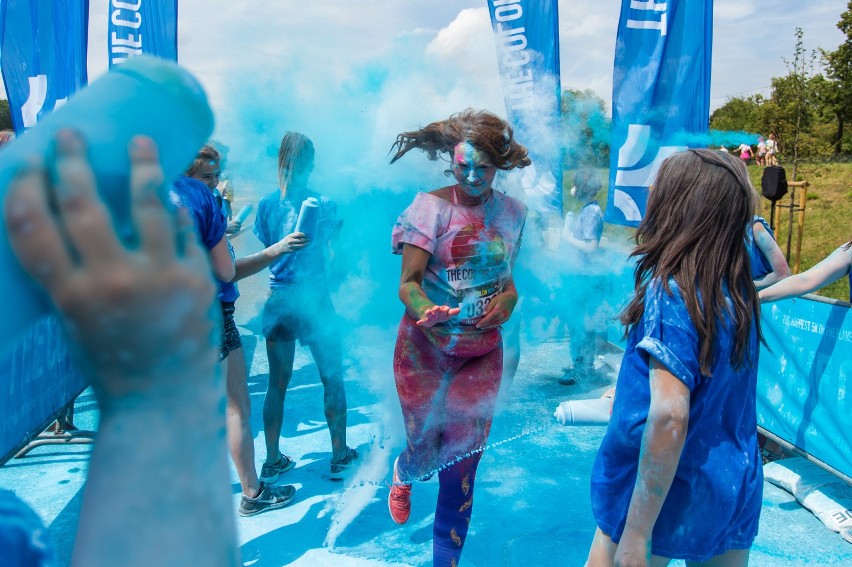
{"points": [[714, 501], [209, 219], [760, 265], [276, 218]]}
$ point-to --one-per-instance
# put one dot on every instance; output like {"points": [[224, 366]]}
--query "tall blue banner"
{"points": [[42, 55], [142, 26], [527, 37], [660, 95]]}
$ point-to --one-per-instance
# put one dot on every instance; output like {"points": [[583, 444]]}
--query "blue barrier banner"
{"points": [[43, 48], [660, 95], [803, 389], [527, 37], [142, 26], [36, 381]]}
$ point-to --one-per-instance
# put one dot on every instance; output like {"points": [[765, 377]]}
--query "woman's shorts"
{"points": [[299, 312], [230, 335]]}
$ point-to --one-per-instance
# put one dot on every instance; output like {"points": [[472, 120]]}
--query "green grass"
{"points": [[828, 213]]}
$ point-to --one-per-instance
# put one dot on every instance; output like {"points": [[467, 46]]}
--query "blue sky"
{"points": [[340, 35]]}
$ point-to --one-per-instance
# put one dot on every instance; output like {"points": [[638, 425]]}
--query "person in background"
{"points": [[299, 307], [584, 235], [745, 152], [768, 264], [226, 189], [210, 222], [761, 151], [829, 270], [151, 364], [458, 244], [771, 150], [687, 381], [206, 167], [6, 136]]}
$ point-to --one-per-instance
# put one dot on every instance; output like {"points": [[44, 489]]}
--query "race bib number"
{"points": [[474, 300]]}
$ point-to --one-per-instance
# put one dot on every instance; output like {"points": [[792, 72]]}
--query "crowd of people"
{"points": [[178, 384], [766, 154]]}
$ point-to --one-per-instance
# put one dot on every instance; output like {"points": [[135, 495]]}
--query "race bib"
{"points": [[474, 300]]}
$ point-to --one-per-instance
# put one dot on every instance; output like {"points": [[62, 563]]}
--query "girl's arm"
{"points": [[662, 444], [414, 262], [250, 265], [829, 270], [769, 248], [222, 262]]}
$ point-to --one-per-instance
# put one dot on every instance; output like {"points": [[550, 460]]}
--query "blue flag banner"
{"points": [[42, 55], [527, 37], [142, 26], [660, 95], [805, 377]]}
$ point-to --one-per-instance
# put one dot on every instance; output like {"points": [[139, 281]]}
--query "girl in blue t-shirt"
{"points": [[299, 307], [678, 474]]}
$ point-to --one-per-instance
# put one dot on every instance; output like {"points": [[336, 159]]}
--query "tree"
{"points": [[738, 114], [5, 115], [838, 68], [587, 128], [794, 95]]}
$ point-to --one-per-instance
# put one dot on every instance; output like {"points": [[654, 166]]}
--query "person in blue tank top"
{"points": [[196, 191], [678, 474], [299, 307], [584, 235], [828, 271], [768, 264]]}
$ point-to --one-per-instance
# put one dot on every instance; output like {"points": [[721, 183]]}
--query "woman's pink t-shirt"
{"points": [[472, 248]]}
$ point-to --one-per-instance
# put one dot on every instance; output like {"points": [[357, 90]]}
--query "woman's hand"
{"points": [[136, 317], [498, 310], [437, 314], [293, 242]]}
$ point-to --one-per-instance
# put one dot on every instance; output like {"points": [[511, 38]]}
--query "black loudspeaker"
{"points": [[773, 184]]}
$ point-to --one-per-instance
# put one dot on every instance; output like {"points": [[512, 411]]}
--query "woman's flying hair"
{"points": [[487, 132], [206, 154], [296, 150], [694, 232]]}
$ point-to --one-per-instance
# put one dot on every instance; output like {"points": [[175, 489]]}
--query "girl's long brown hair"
{"points": [[694, 232], [487, 133]]}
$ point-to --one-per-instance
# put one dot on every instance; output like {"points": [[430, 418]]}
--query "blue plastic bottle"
{"points": [[144, 95]]}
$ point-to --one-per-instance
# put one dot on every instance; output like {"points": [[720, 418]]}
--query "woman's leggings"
{"points": [[447, 404]]}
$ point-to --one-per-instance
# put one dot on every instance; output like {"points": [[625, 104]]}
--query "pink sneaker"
{"points": [[399, 500]]}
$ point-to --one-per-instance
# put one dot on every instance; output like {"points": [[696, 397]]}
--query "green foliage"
{"points": [[5, 115], [837, 94], [587, 129]]}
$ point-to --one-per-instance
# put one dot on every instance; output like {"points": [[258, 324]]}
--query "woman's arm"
{"points": [[414, 262], [662, 444], [250, 265], [769, 248], [829, 270], [500, 308], [222, 262]]}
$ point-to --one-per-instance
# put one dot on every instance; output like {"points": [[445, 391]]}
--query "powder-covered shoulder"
{"points": [[515, 206], [420, 223]]}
